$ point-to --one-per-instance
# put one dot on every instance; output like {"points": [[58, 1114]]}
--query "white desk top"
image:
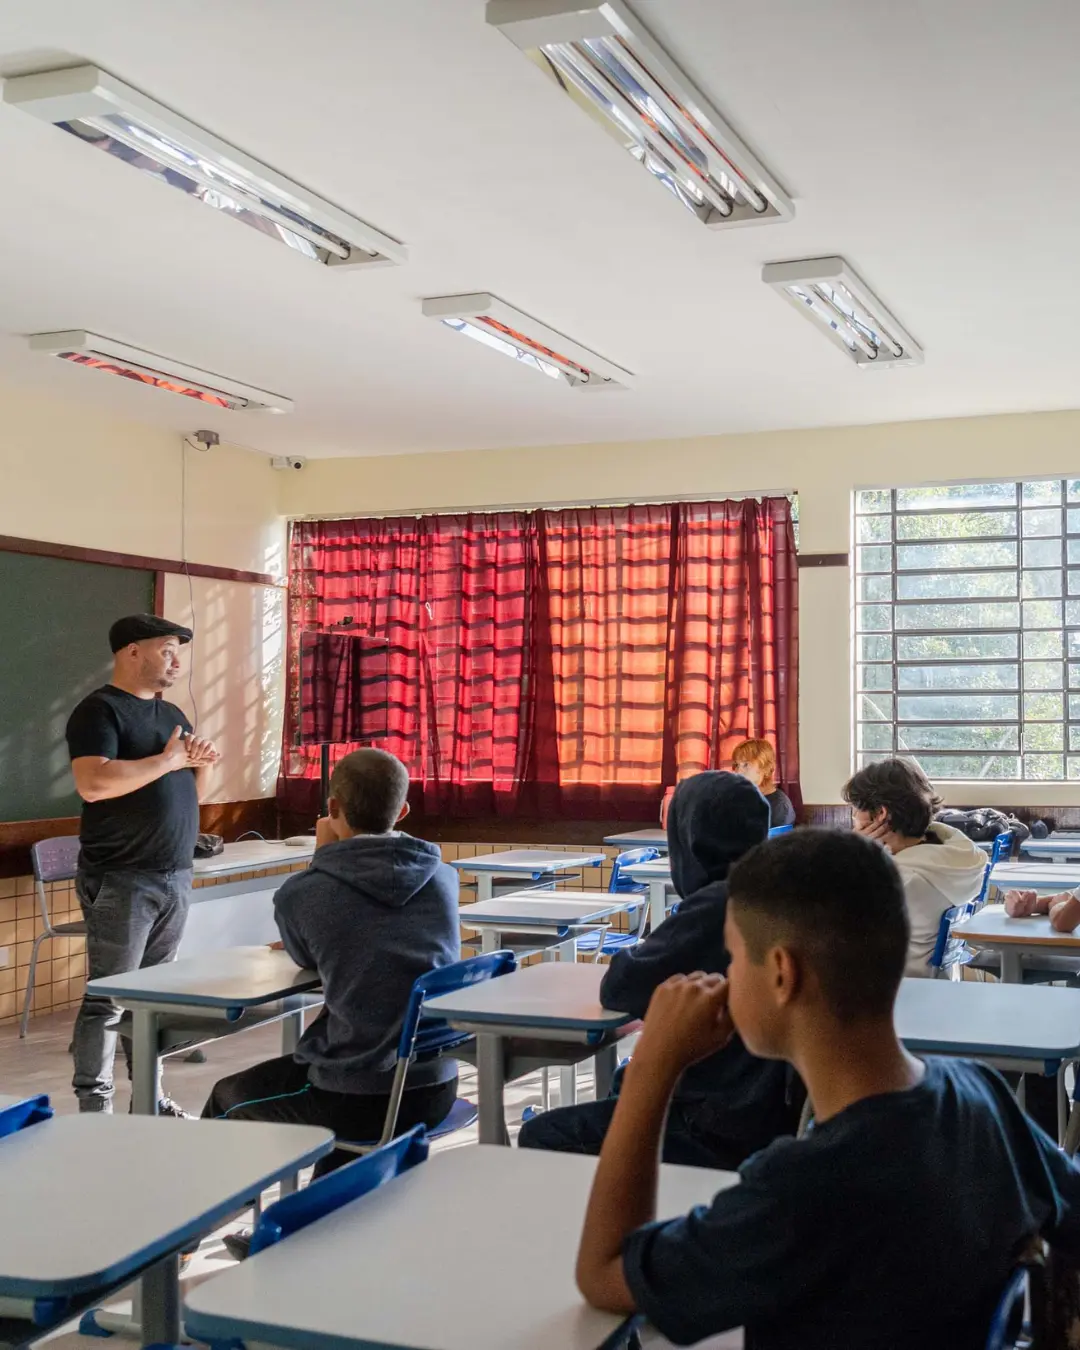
{"points": [[656, 838], [555, 994], [992, 927], [1054, 846], [528, 861], [539, 907], [657, 870], [252, 854], [238, 977], [391, 1271], [1036, 876], [1014, 1021], [89, 1199]]}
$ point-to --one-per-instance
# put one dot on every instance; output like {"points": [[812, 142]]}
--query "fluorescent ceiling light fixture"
{"points": [[488, 320], [159, 372], [845, 309], [109, 115], [605, 59]]}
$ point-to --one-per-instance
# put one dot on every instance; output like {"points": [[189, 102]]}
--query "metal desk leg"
{"points": [[292, 1028], [161, 1303], [490, 1083], [1062, 1105], [144, 1062], [484, 882], [605, 1062], [1012, 969], [657, 904], [567, 951], [490, 938]]}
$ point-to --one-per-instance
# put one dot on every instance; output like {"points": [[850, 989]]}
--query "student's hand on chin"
{"points": [[324, 832], [687, 1020]]}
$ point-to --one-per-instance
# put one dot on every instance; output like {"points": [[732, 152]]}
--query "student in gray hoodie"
{"points": [[375, 910]]}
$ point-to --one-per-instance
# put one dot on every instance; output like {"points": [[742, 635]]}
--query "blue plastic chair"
{"points": [[428, 1037], [1000, 849], [950, 952], [603, 942], [780, 829], [338, 1188]]}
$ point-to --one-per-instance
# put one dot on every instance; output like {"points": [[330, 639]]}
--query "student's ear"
{"points": [[785, 975], [403, 813]]}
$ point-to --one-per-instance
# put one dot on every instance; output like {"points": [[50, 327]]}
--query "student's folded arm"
{"points": [[291, 940]]}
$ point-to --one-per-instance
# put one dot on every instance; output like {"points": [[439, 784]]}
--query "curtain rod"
{"points": [[418, 512]]}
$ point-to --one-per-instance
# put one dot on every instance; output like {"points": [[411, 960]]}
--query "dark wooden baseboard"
{"points": [[229, 819]]}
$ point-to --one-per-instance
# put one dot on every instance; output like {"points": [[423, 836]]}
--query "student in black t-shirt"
{"points": [[756, 760], [141, 774], [897, 1220]]}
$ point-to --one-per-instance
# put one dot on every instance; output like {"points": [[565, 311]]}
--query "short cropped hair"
{"points": [[837, 900], [901, 787], [763, 755], [371, 787]]}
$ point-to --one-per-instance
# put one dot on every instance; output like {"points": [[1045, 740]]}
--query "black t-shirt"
{"points": [[781, 811], [893, 1224], [154, 828]]}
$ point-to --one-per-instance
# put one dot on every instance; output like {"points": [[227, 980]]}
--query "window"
{"points": [[967, 628]]}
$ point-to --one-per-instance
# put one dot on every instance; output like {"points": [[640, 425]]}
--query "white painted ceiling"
{"points": [[933, 143]]}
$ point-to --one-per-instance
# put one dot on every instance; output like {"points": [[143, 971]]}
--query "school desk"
{"points": [[1035, 876], [1056, 848], [553, 1008], [95, 1201], [1017, 939], [536, 864], [657, 875], [392, 1270], [656, 838], [554, 914]]}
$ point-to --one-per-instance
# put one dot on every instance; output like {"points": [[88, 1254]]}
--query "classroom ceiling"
{"points": [[932, 143]]}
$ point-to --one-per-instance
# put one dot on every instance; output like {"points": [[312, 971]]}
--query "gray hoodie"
{"points": [[370, 914], [936, 877]]}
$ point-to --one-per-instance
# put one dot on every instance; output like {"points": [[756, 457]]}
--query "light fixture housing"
{"points": [[606, 60], [158, 372], [841, 305], [491, 321], [109, 115]]}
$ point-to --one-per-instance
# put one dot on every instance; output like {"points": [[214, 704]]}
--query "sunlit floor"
{"points": [[41, 1063]]}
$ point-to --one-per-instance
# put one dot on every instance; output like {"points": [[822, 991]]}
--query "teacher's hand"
{"points": [[200, 752]]}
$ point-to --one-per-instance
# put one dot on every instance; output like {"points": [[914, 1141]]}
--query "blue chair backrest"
{"points": [[620, 885], [432, 1036], [338, 1188], [780, 829], [941, 943], [1000, 849], [1007, 1323]]}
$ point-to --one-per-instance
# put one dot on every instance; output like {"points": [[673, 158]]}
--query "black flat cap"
{"points": [[141, 627]]}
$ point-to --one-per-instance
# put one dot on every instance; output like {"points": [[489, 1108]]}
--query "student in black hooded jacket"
{"points": [[729, 1105]]}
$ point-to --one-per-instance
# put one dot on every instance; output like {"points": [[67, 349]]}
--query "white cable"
{"points": [[187, 573]]}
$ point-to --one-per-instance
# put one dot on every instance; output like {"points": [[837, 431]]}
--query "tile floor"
{"points": [[41, 1064]]}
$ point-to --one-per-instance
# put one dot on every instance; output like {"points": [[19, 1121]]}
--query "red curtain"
{"points": [[564, 662]]}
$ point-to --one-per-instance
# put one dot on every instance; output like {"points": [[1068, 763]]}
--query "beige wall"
{"points": [[823, 466], [234, 691], [71, 476]]}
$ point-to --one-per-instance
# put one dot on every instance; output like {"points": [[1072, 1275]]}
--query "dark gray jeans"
{"points": [[133, 920]]}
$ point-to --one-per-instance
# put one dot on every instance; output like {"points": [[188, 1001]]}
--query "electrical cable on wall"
{"points": [[203, 442]]}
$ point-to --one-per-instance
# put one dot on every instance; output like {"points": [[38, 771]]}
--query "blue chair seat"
{"points": [[612, 942], [461, 1115]]}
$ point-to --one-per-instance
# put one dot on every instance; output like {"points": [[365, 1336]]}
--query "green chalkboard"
{"points": [[54, 622]]}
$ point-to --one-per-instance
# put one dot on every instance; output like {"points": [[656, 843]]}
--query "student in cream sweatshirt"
{"points": [[893, 802]]}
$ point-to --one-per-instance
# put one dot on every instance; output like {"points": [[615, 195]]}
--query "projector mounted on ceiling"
{"points": [[159, 372], [108, 115]]}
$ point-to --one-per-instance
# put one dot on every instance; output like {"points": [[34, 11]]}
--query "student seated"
{"points": [[896, 1221], [375, 910], [893, 803], [731, 1104], [756, 760]]}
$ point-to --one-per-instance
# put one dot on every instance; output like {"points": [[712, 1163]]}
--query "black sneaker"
{"points": [[238, 1245]]}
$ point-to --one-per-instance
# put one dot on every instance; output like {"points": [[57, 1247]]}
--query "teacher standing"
{"points": [[141, 774]]}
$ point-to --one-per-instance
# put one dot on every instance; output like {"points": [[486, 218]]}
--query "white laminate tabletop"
{"points": [[1063, 846], [238, 977], [1017, 1021], [545, 907], [89, 1198], [992, 927], [1036, 876], [249, 855], [656, 838], [555, 994], [657, 870], [526, 861], [391, 1271], [6, 1100]]}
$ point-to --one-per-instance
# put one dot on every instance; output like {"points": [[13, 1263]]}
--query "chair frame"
{"points": [[44, 875]]}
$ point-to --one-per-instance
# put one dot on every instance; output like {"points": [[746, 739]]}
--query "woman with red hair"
{"points": [[756, 760]]}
